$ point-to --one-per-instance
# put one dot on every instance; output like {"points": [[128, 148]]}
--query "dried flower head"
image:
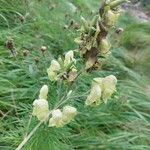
{"points": [[43, 49]]}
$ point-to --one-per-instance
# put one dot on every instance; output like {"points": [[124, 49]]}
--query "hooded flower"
{"points": [[109, 87], [102, 89], [40, 109], [55, 66], [94, 96], [69, 113], [53, 70], [59, 119], [69, 58], [40, 106], [56, 119]]}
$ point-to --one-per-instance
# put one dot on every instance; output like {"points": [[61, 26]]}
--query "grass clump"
{"points": [[121, 124]]}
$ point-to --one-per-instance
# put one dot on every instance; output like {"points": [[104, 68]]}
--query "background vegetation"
{"points": [[122, 124]]}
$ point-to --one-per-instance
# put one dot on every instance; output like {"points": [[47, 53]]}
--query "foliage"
{"points": [[121, 124]]}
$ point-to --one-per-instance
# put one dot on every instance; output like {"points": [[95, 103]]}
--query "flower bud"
{"points": [[25, 53], [43, 92], [43, 49], [40, 109], [56, 119], [119, 30], [85, 24]]}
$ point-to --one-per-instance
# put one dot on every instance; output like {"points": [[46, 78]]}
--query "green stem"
{"points": [[117, 3]]}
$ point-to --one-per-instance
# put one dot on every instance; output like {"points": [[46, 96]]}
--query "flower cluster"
{"points": [[64, 69], [93, 40], [41, 111], [102, 89]]}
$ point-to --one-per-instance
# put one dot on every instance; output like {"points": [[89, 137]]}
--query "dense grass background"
{"points": [[122, 124]]}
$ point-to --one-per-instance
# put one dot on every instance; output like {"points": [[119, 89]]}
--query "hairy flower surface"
{"points": [[56, 119], [55, 66], [53, 70], [69, 113], [102, 89], [43, 92], [109, 87], [94, 96], [40, 109], [59, 118]]}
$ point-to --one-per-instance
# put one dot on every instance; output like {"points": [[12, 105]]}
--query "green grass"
{"points": [[122, 124]]}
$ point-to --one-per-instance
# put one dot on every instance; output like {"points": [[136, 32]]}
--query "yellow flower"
{"points": [[53, 70], [59, 119], [43, 92], [56, 119], [55, 66], [52, 75], [69, 58], [69, 113], [95, 95], [109, 87], [102, 89], [40, 109]]}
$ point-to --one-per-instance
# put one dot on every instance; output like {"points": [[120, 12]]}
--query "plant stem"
{"points": [[29, 136], [39, 124]]}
